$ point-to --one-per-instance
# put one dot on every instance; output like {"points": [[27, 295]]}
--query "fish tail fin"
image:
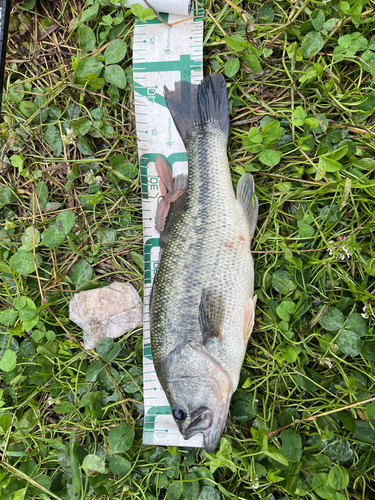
{"points": [[194, 106]]}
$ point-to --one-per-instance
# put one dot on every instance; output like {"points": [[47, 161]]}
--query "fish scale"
{"points": [[202, 309]]}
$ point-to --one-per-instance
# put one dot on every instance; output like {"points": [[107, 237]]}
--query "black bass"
{"points": [[202, 305]]}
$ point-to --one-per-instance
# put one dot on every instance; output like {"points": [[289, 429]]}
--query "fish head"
{"points": [[199, 392]]}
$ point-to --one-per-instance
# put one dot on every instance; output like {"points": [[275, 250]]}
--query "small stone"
{"points": [[106, 312]]}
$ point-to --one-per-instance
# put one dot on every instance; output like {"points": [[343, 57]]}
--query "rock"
{"points": [[106, 312]]}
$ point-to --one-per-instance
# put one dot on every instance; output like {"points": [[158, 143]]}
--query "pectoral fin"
{"points": [[164, 172], [211, 315], [177, 204], [249, 201], [249, 318]]}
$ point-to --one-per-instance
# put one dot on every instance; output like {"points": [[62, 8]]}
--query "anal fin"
{"points": [[249, 201]]}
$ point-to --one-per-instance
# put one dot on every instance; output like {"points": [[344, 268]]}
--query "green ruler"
{"points": [[162, 55]]}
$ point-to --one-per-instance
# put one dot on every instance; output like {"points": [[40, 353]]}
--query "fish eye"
{"points": [[179, 414]]}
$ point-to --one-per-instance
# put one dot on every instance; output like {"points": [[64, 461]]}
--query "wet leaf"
{"points": [[8, 317], [340, 450], [231, 67], [236, 42], [321, 486], [115, 75], [305, 230], [330, 213], [66, 220], [243, 406], [28, 108], [53, 139], [174, 490], [357, 324], [317, 19], [89, 67], [115, 52], [292, 445], [84, 146], [121, 438], [106, 236], [87, 38], [81, 272], [209, 493], [119, 465], [349, 343], [333, 319], [28, 238], [8, 361], [338, 478], [53, 236], [23, 262], [269, 157], [266, 14], [364, 432], [282, 282], [368, 60], [311, 44], [65, 407], [94, 465]]}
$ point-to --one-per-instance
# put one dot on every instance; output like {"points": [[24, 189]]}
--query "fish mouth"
{"points": [[201, 421], [212, 435], [210, 423]]}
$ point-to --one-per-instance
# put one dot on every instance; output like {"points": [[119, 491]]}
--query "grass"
{"points": [[301, 86]]}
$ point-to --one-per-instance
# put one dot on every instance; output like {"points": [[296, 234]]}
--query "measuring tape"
{"points": [[162, 55]]}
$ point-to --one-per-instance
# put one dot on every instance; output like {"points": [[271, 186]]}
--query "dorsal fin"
{"points": [[247, 197]]}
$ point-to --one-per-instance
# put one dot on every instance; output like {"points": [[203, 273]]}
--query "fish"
{"points": [[202, 304]]}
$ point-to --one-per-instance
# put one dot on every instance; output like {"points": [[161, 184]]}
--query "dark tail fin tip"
{"points": [[197, 105]]}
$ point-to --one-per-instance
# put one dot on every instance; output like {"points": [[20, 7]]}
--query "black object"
{"points": [[4, 23]]}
